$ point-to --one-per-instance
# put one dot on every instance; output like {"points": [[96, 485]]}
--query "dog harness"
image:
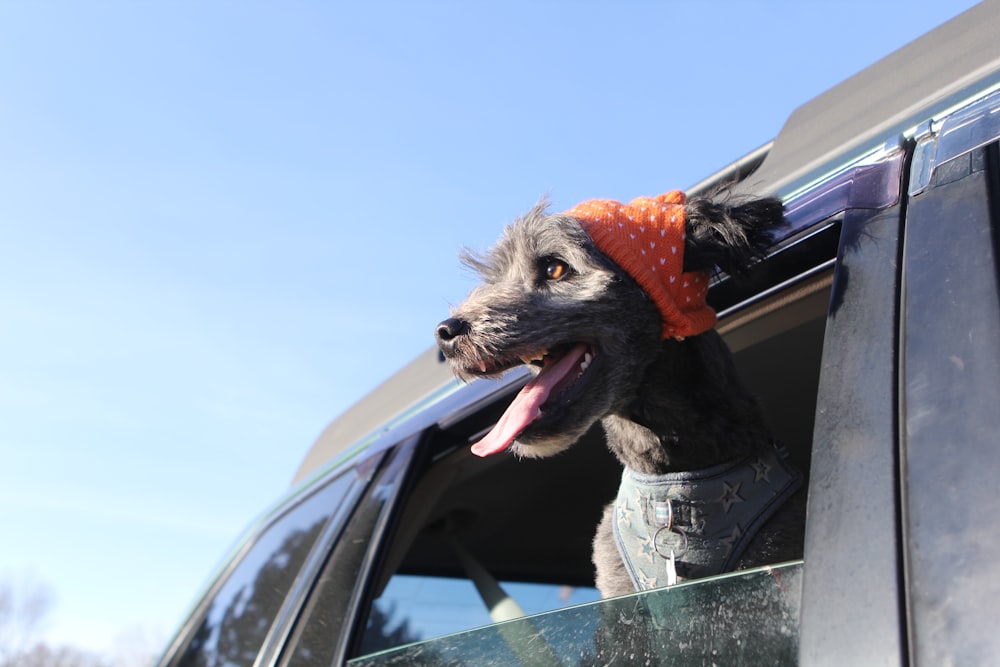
{"points": [[646, 238], [698, 523]]}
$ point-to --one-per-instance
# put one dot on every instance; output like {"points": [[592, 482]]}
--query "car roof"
{"points": [[927, 77]]}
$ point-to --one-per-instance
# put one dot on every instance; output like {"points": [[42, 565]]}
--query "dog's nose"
{"points": [[451, 329]]}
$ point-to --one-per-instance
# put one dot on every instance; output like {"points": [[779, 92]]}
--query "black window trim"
{"points": [[281, 628], [945, 359]]}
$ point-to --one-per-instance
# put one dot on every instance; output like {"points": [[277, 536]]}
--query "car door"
{"points": [[901, 534], [950, 391]]}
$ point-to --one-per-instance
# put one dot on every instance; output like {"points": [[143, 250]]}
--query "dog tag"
{"points": [[671, 570]]}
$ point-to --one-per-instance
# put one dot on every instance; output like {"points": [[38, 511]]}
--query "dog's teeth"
{"points": [[587, 358], [482, 366], [538, 358]]}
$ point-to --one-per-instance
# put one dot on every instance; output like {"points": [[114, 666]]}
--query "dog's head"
{"points": [[562, 294]]}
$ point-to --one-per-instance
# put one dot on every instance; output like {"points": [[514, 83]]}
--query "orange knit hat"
{"points": [[646, 238]]}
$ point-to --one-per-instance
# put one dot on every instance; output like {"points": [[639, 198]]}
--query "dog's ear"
{"points": [[729, 236]]}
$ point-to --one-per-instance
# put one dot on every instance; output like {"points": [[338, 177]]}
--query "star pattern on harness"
{"points": [[730, 495], [647, 549], [761, 470], [625, 514], [647, 581], [730, 542], [712, 516]]}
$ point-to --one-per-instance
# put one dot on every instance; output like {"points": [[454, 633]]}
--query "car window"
{"points": [[240, 615], [414, 608], [506, 519], [749, 617]]}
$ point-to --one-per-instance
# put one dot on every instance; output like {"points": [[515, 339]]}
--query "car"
{"points": [[871, 334]]}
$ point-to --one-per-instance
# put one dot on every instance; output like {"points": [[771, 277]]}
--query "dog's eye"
{"points": [[555, 269]]}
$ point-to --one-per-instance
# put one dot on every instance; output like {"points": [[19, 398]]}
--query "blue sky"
{"points": [[221, 223]]}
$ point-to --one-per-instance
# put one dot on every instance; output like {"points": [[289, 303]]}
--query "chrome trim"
{"points": [[955, 135], [874, 182], [922, 162]]}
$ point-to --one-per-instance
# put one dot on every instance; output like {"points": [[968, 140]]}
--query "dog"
{"points": [[607, 303]]}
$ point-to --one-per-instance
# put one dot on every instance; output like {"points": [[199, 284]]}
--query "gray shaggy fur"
{"points": [[665, 405]]}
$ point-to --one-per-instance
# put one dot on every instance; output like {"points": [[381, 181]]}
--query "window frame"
{"points": [[852, 579]]}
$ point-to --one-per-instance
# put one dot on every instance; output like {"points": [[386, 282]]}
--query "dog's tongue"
{"points": [[525, 407]]}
